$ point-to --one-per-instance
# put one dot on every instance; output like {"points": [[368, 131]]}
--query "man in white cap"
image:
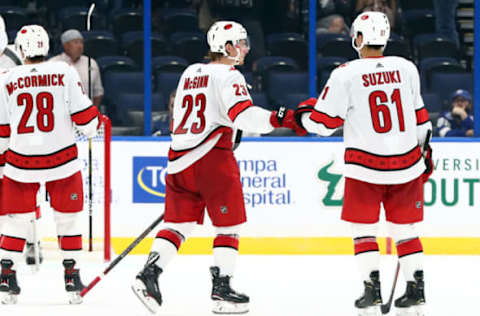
{"points": [[72, 41]]}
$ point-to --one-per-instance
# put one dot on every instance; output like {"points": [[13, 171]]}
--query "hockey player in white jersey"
{"points": [[41, 102], [9, 58], [377, 100], [211, 102]]}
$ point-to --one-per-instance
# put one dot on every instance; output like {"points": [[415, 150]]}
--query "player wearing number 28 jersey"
{"points": [[41, 102], [377, 100]]}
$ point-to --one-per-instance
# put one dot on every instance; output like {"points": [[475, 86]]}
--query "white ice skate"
{"points": [[225, 299], [146, 286], [73, 283], [8, 283]]}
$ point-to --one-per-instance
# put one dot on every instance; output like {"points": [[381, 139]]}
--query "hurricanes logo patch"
{"points": [[223, 209], [74, 196]]}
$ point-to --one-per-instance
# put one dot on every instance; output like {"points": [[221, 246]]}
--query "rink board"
{"points": [[293, 190]]}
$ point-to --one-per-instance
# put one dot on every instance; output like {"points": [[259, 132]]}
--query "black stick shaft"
{"points": [[386, 307], [90, 191], [122, 255]]}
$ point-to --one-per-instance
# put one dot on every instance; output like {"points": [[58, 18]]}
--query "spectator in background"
{"points": [[445, 12], [159, 126], [340, 7], [458, 121], [332, 24], [72, 41], [388, 7]]}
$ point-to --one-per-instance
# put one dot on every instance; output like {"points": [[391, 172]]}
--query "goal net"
{"points": [[96, 241]]}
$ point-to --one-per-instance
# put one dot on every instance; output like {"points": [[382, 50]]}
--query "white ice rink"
{"points": [[277, 286]]}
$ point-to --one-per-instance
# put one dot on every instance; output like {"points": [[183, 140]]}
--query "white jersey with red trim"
{"points": [[385, 122], [211, 102], [40, 104]]}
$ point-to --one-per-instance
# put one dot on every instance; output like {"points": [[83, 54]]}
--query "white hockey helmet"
{"points": [[3, 35], [222, 32], [374, 27], [32, 41]]}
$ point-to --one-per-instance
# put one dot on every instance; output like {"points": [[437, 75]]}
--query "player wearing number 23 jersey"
{"points": [[211, 103]]}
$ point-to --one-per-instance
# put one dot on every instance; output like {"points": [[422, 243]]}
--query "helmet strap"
{"points": [[357, 48], [236, 59]]}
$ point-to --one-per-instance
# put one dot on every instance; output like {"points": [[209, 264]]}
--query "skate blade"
{"points": [[225, 307], [141, 292], [411, 311], [370, 311], [35, 268], [10, 299], [74, 298]]}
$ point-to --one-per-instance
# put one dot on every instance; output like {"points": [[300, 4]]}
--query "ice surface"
{"points": [[277, 286]]}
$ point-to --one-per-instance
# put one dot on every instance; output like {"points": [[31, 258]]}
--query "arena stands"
{"points": [[278, 72]]}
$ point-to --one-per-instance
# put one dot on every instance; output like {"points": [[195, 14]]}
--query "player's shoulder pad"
{"points": [[342, 69], [60, 64], [232, 73], [402, 60], [407, 64]]}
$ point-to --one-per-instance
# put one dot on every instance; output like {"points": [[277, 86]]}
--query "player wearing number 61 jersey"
{"points": [[377, 100], [40, 104]]}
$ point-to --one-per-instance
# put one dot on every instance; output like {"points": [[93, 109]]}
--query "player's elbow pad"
{"points": [[316, 128]]}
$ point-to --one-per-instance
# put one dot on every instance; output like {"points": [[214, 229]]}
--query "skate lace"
{"points": [[222, 285], [6, 272], [70, 274], [152, 275]]}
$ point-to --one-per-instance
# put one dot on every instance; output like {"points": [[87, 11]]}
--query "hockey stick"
{"points": [[36, 245], [121, 256], [90, 193], [386, 307]]}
